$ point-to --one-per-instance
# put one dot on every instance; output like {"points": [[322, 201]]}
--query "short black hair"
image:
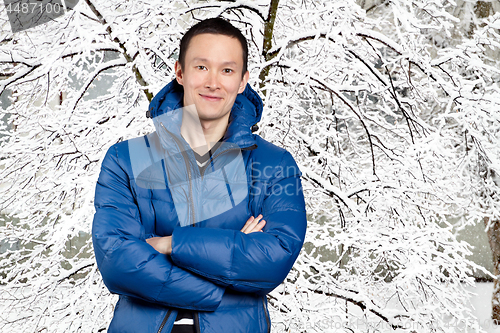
{"points": [[216, 26]]}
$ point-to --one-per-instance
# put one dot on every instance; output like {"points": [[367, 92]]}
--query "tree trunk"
{"points": [[268, 40], [484, 9], [494, 239]]}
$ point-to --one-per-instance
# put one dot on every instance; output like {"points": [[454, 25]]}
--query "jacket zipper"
{"points": [[268, 321], [164, 321], [186, 160]]}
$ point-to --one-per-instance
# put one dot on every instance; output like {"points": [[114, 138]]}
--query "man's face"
{"points": [[212, 75]]}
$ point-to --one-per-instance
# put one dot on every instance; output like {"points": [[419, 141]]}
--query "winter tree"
{"points": [[389, 107]]}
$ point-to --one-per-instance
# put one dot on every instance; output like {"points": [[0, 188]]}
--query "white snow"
{"points": [[482, 306]]}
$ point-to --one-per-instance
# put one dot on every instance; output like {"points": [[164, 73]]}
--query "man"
{"points": [[179, 230]]}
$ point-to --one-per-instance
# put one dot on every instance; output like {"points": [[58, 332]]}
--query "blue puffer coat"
{"points": [[152, 186]]}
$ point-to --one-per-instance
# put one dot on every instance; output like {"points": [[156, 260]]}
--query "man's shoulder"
{"points": [[131, 156], [270, 161], [271, 154], [121, 152], [266, 147], [123, 145]]}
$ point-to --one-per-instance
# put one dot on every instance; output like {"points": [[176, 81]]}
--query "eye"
{"points": [[227, 70], [201, 67]]}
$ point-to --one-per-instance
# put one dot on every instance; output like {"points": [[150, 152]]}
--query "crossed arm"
{"points": [[203, 262], [164, 244]]}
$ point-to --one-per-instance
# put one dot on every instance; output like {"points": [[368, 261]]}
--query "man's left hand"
{"points": [[161, 244]]}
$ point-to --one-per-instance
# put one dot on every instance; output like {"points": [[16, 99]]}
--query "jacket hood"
{"points": [[246, 111]]}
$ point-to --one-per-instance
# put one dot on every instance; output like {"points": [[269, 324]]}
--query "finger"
{"points": [[251, 225], [245, 227], [259, 226], [256, 228]]}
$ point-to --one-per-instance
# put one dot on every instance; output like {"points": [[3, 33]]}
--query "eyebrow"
{"points": [[226, 63]]}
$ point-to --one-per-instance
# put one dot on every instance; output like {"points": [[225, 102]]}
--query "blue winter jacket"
{"points": [[151, 186]]}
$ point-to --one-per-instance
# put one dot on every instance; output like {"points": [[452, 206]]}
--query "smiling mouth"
{"points": [[211, 98]]}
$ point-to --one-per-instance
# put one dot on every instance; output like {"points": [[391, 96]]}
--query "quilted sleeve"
{"points": [[256, 262], [128, 265]]}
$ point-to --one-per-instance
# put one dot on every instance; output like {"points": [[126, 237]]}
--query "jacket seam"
{"points": [[125, 171], [110, 250], [271, 180], [232, 256], [163, 285], [280, 164], [230, 281], [285, 210]]}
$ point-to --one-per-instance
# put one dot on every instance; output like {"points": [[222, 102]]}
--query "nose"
{"points": [[212, 81]]}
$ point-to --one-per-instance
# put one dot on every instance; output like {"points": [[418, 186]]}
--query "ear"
{"points": [[243, 83], [178, 72]]}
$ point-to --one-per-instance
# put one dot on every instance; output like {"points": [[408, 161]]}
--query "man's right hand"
{"points": [[254, 224]]}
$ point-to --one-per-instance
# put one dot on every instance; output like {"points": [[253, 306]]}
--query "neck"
{"points": [[214, 130], [202, 135]]}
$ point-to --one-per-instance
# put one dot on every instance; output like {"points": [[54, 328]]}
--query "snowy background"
{"points": [[390, 108], [482, 306]]}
